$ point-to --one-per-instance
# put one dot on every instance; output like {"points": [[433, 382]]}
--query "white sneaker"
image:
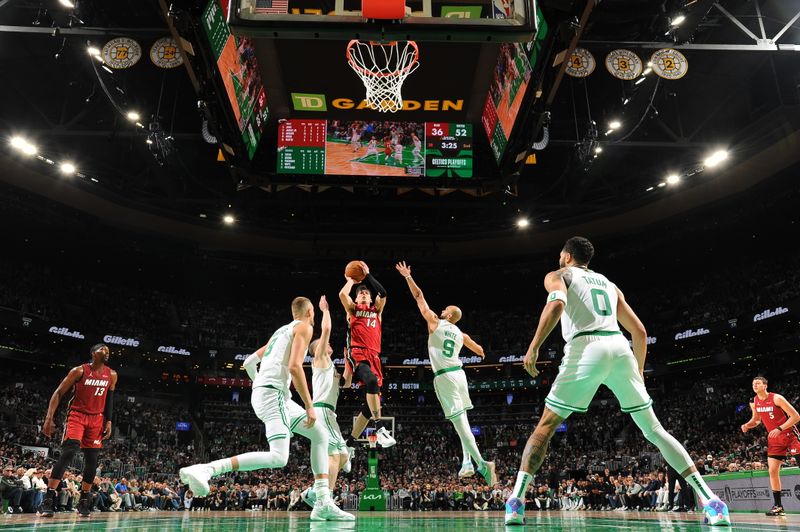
{"points": [[309, 497], [330, 512], [197, 477], [384, 438], [466, 471], [348, 466]]}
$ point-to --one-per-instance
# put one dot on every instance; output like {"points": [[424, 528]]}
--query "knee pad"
{"points": [[91, 459], [364, 374], [68, 451]]}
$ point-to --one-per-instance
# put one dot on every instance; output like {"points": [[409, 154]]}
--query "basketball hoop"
{"points": [[383, 67], [373, 440]]}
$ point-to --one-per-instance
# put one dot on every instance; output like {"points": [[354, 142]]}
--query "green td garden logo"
{"points": [[309, 102]]}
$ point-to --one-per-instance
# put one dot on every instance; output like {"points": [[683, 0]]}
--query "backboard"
{"points": [[430, 20]]}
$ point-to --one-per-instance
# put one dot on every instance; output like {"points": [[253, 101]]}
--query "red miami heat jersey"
{"points": [[91, 390], [772, 416], [365, 328]]}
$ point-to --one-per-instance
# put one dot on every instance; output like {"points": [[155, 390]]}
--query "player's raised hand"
{"points": [[323, 304], [311, 418], [403, 268], [48, 428], [745, 428], [364, 267], [529, 363]]}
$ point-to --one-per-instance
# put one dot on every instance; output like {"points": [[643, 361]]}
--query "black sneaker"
{"points": [[777, 511], [85, 505], [47, 508]]}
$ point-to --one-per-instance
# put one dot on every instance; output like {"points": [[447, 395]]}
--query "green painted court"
{"points": [[394, 521]]}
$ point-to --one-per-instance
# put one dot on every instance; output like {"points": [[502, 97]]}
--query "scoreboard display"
{"points": [[301, 147], [448, 150], [379, 148]]}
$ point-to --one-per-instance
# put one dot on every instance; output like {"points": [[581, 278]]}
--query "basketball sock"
{"points": [[776, 495], [521, 486], [465, 454], [322, 490], [461, 424]]}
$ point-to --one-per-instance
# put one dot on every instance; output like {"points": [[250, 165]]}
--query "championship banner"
{"points": [[669, 64], [42, 452], [121, 52], [623, 64], [581, 63], [749, 491], [165, 53]]}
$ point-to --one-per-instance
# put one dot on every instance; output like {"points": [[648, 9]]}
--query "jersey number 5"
{"points": [[600, 302]]}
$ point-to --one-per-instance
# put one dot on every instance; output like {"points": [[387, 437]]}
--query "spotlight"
{"points": [[522, 223], [598, 149], [66, 3], [67, 168], [673, 179], [614, 124], [626, 101], [662, 185], [715, 158], [228, 219], [133, 116], [647, 71], [23, 145], [640, 80], [677, 21], [649, 189], [93, 51]]}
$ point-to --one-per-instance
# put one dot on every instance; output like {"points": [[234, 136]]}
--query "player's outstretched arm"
{"points": [[380, 291], [473, 346], [344, 296], [551, 313], [302, 337], [755, 419], [321, 352], [69, 381], [794, 417], [416, 292], [631, 322]]}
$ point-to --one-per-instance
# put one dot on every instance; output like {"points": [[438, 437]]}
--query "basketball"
{"points": [[354, 270]]}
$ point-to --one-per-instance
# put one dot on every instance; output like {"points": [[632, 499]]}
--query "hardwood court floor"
{"points": [[342, 160], [391, 521]]}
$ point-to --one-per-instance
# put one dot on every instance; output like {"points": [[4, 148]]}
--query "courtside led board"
{"points": [[377, 148]]}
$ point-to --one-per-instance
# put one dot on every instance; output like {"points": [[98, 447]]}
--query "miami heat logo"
{"points": [[121, 53]]}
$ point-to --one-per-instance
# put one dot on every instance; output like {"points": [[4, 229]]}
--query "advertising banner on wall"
{"points": [[750, 490]]}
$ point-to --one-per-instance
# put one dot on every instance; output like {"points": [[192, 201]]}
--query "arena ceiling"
{"points": [[741, 94]]}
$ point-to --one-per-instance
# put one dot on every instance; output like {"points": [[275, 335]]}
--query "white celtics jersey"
{"points": [[591, 305], [325, 384], [444, 345], [274, 368]]}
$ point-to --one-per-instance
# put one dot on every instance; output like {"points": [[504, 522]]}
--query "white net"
{"points": [[383, 67]]}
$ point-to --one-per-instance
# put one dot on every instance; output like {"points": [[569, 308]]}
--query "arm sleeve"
{"points": [[375, 285], [250, 364], [108, 411]]}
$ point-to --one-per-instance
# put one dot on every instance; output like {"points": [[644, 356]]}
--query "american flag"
{"points": [[272, 6]]}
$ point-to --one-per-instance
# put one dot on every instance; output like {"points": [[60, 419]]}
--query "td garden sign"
{"points": [[319, 102]]}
